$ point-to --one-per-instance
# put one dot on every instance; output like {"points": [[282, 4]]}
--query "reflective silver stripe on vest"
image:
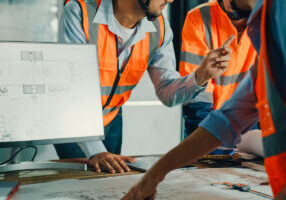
{"points": [[191, 58], [109, 110], [105, 91], [154, 40], [203, 96], [206, 16], [226, 80], [91, 7]]}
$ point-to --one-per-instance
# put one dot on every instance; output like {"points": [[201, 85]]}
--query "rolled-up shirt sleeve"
{"points": [[92, 148], [236, 116], [171, 88]]}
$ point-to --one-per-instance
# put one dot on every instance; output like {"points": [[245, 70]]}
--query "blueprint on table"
{"points": [[178, 185]]}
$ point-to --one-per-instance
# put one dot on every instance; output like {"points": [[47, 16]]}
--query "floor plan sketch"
{"points": [[3, 90], [34, 89], [47, 89], [32, 55]]}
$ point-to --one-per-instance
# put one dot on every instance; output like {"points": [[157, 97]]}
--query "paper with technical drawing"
{"points": [[178, 185], [49, 91]]}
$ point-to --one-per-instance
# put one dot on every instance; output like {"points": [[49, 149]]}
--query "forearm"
{"points": [[199, 143], [171, 88]]}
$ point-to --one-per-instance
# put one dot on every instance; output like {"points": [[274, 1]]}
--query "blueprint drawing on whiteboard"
{"points": [[48, 91]]}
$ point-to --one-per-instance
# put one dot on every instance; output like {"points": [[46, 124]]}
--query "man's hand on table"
{"points": [[146, 188], [111, 163]]}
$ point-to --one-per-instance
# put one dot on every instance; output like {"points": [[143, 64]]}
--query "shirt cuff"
{"points": [[220, 127], [192, 83], [193, 88], [92, 148]]}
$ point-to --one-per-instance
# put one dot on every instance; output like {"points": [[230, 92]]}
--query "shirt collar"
{"points": [[254, 23], [105, 15]]}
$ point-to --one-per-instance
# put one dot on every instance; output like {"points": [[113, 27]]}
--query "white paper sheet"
{"points": [[251, 142]]}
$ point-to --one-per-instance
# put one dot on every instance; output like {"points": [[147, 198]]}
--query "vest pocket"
{"points": [[133, 72], [107, 64]]}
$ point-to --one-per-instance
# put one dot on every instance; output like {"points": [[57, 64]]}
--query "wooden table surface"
{"points": [[40, 176]]}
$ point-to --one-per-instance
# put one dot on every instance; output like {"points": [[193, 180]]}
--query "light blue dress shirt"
{"points": [[171, 88], [239, 114], [236, 116]]}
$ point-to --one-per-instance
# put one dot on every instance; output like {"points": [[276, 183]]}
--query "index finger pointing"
{"points": [[228, 41]]}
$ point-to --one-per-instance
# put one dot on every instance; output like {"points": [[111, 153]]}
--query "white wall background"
{"points": [[29, 20], [149, 127]]}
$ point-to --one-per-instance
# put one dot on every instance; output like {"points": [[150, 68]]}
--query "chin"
{"points": [[158, 14]]}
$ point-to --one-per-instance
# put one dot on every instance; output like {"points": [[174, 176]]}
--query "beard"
{"points": [[157, 13]]}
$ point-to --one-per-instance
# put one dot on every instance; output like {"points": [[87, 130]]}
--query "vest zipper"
{"points": [[118, 75]]}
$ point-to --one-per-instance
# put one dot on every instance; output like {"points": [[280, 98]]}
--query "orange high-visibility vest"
{"points": [[207, 27], [116, 84], [272, 113]]}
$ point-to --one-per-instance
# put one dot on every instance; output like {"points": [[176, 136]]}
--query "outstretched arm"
{"points": [[197, 144], [223, 126], [171, 88]]}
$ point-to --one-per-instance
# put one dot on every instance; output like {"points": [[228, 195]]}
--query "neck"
{"points": [[240, 25], [128, 12]]}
